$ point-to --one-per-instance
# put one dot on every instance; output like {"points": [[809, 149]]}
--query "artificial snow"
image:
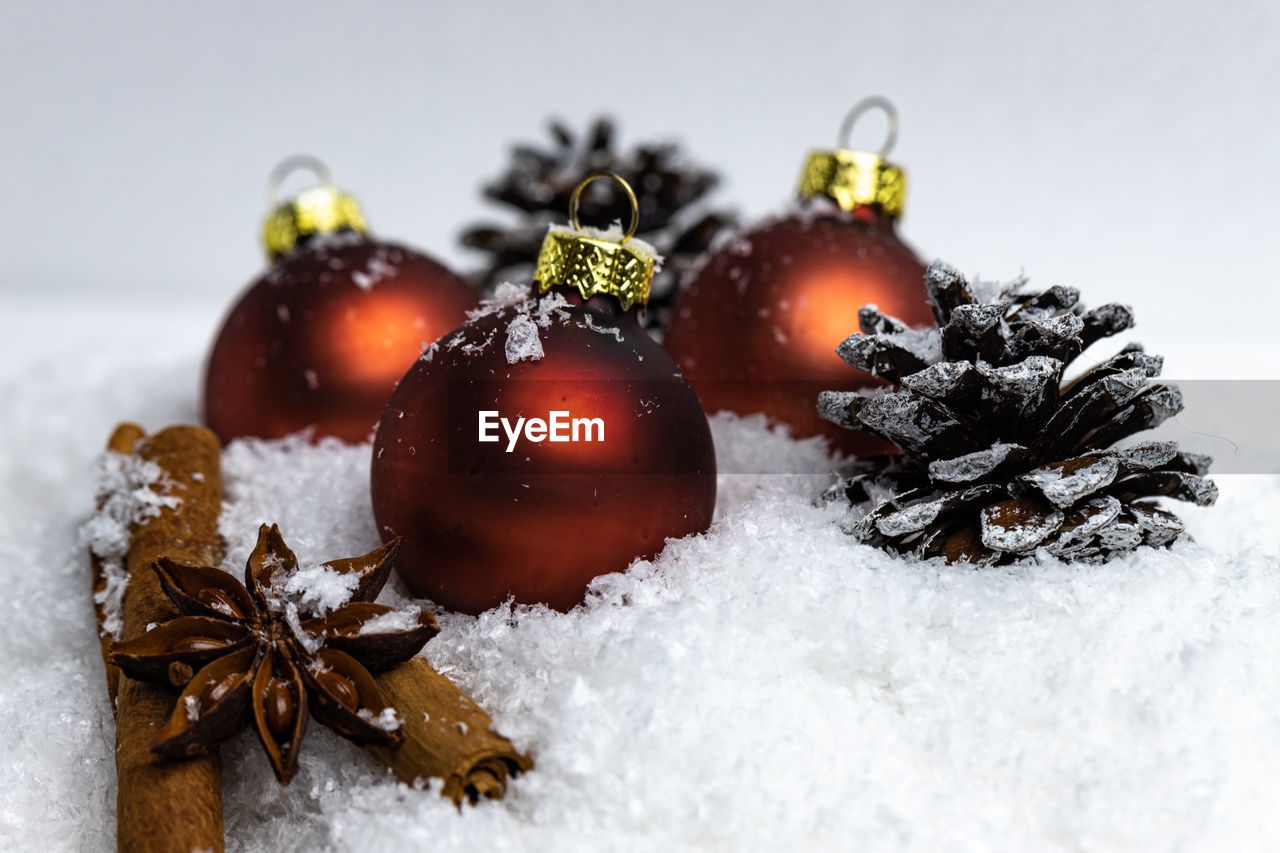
{"points": [[376, 269], [128, 491], [1063, 487], [523, 343], [612, 234], [388, 720], [318, 588], [924, 344], [506, 293], [391, 621], [768, 685]]}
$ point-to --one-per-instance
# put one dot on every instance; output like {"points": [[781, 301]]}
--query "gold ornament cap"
{"points": [[322, 209], [595, 261], [856, 178]]}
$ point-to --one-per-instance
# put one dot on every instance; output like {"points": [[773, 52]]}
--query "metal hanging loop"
{"points": [[295, 163], [873, 102], [631, 196]]}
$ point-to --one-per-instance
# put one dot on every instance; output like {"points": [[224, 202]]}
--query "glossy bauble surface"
{"points": [[756, 328], [481, 524], [321, 339]]}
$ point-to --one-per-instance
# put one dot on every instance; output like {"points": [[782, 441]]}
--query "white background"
{"points": [[1130, 149]]}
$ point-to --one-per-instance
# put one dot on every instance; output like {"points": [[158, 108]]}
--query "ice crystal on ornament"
{"points": [[376, 269], [523, 343], [506, 293], [999, 455]]}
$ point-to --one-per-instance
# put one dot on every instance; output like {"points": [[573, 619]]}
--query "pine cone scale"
{"points": [[999, 457]]}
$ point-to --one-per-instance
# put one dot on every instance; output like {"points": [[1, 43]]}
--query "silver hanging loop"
{"points": [[291, 164], [859, 109]]}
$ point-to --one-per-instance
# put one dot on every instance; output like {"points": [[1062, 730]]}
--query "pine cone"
{"points": [[999, 455], [538, 184]]}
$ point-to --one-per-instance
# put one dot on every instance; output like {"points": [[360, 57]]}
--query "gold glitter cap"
{"points": [[592, 261], [855, 178], [322, 209]]}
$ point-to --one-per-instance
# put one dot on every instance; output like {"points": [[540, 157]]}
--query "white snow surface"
{"points": [[768, 685]]}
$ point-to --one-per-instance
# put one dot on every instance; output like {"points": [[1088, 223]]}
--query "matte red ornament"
{"points": [[322, 337], [757, 326], [528, 517]]}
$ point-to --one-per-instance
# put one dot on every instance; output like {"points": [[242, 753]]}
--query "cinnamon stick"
{"points": [[173, 806], [177, 806], [122, 441], [446, 735]]}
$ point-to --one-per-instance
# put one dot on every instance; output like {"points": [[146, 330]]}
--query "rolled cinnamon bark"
{"points": [[122, 441], [175, 806], [446, 734]]}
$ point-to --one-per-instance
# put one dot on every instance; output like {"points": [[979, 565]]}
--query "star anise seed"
{"points": [[251, 652]]}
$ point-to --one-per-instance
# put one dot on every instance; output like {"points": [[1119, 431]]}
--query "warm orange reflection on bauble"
{"points": [[321, 339], [538, 523], [757, 327]]}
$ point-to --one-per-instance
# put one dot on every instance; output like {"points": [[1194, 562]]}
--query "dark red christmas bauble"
{"points": [[538, 516], [756, 328], [322, 337]]}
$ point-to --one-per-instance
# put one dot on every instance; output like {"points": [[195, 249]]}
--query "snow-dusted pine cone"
{"points": [[999, 455], [539, 181]]}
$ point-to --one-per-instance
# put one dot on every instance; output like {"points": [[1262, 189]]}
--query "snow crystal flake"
{"points": [[319, 588], [392, 620], [293, 618], [504, 295], [375, 270], [924, 344], [474, 348], [523, 343], [388, 720], [129, 490], [612, 331], [549, 307]]}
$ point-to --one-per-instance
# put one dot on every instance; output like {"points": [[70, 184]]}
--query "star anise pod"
{"points": [[260, 651]]}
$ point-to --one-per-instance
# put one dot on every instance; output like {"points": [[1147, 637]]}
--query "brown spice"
{"points": [[173, 806], [248, 663], [122, 441], [446, 735], [177, 805]]}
